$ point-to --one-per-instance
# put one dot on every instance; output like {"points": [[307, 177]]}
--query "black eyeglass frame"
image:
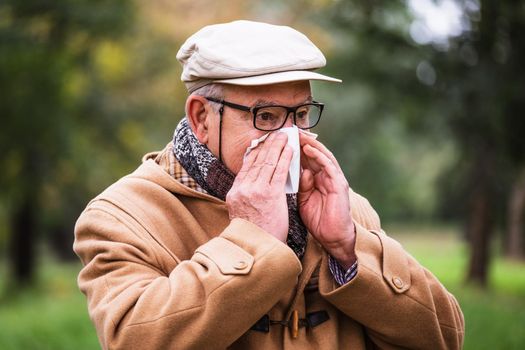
{"points": [[255, 109]]}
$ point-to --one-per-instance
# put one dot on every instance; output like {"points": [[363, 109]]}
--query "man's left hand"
{"points": [[324, 203]]}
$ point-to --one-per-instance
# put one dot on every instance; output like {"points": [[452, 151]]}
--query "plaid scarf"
{"points": [[216, 179]]}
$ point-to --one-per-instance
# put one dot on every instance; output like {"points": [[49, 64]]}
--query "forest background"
{"points": [[428, 125]]}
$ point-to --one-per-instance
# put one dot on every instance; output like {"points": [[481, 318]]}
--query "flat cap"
{"points": [[249, 53]]}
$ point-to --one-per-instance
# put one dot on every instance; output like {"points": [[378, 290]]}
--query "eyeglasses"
{"points": [[273, 117]]}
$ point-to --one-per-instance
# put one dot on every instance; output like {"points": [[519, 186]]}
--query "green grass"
{"points": [[494, 318], [53, 315]]}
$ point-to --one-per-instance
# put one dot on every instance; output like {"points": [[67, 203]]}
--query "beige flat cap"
{"points": [[249, 53]]}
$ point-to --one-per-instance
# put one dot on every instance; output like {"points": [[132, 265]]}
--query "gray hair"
{"points": [[211, 90]]}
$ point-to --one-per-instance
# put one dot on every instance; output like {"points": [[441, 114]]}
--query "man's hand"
{"points": [[257, 194], [324, 203]]}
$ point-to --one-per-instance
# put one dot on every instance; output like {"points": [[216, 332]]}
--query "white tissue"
{"points": [[294, 173]]}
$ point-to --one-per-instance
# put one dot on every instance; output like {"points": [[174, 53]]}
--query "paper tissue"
{"points": [[294, 173]]}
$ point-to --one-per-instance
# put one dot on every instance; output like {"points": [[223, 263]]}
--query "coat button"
{"points": [[295, 324], [398, 282], [239, 265]]}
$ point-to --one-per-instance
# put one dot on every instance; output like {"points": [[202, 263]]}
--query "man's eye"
{"points": [[301, 115], [266, 117]]}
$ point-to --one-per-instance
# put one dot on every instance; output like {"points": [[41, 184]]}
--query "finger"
{"points": [[272, 158], [308, 133], [251, 171], [305, 140], [318, 160], [306, 187], [247, 164], [304, 159], [307, 181], [281, 170], [265, 147], [308, 161]]}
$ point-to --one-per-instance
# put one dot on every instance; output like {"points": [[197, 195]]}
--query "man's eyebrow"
{"points": [[264, 102]]}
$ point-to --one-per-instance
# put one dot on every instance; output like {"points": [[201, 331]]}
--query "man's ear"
{"points": [[198, 111]]}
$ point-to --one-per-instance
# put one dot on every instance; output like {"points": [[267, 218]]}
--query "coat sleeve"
{"points": [[205, 302], [399, 303]]}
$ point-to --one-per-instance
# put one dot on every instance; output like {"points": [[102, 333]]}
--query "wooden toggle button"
{"points": [[295, 324]]}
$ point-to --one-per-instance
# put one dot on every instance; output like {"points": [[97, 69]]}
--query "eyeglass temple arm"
{"points": [[229, 104]]}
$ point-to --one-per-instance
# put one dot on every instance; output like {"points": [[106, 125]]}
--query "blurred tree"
{"points": [[390, 142], [512, 47], [515, 242], [472, 85], [42, 43], [483, 81]]}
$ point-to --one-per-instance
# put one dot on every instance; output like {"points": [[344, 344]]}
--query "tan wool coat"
{"points": [[165, 268]]}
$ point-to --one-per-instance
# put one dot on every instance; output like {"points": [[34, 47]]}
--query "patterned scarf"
{"points": [[214, 177]]}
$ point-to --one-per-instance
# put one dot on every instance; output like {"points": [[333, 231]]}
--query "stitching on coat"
{"points": [[148, 221], [94, 207], [165, 316], [451, 327], [297, 295], [128, 222], [132, 220]]}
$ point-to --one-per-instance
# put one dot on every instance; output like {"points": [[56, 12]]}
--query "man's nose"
{"points": [[289, 120]]}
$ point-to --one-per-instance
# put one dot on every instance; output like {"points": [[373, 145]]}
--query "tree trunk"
{"points": [[479, 229], [61, 241], [480, 220], [22, 242], [515, 218]]}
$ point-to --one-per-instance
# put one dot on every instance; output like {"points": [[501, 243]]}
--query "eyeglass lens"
{"points": [[274, 117]]}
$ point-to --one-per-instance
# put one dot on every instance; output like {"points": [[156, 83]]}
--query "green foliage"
{"points": [[380, 123], [48, 107], [70, 74]]}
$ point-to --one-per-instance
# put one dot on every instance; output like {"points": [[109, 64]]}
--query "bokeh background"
{"points": [[429, 125]]}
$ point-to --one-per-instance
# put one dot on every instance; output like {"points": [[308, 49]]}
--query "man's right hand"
{"points": [[257, 194]]}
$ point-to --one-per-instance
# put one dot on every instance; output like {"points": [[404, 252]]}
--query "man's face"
{"points": [[237, 126]]}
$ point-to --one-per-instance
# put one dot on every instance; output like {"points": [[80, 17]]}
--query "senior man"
{"points": [[205, 246]]}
